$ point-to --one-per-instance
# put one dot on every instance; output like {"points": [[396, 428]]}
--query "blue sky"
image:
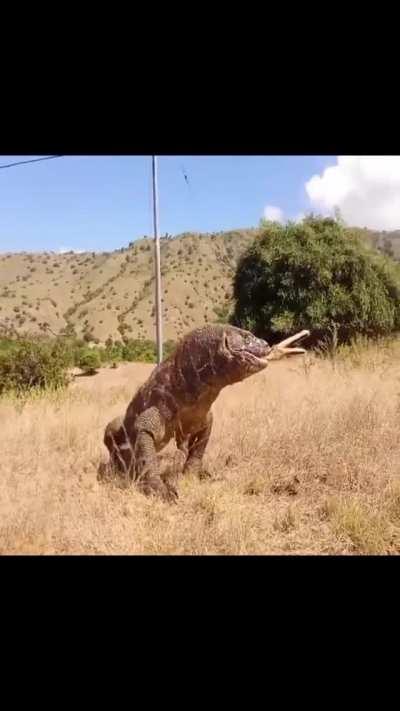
{"points": [[103, 202]]}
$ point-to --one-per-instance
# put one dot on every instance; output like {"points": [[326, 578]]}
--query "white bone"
{"points": [[280, 350]]}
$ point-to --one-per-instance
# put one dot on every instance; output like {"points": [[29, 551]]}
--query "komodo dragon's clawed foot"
{"points": [[156, 487], [197, 468], [105, 472], [204, 475]]}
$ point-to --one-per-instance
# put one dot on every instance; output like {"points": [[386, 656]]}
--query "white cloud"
{"points": [[275, 214], [365, 188], [299, 218], [63, 250]]}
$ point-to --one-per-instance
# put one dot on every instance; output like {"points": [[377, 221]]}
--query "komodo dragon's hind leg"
{"points": [[120, 450]]}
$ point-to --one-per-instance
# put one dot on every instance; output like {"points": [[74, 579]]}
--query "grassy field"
{"points": [[304, 457]]}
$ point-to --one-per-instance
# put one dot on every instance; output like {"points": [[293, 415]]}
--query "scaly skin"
{"points": [[175, 402]]}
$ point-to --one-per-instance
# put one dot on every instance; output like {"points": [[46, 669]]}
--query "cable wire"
{"points": [[32, 160]]}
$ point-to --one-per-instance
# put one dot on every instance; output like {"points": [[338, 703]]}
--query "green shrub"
{"points": [[137, 350], [315, 275], [112, 352], [26, 364], [43, 363], [89, 361]]}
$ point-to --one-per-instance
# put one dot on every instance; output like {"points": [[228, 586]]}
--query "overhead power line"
{"points": [[32, 160], [185, 175]]}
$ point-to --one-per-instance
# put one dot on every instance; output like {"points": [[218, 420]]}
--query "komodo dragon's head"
{"points": [[243, 353], [220, 355]]}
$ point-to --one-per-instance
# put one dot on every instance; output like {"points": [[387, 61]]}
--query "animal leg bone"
{"points": [[281, 350]]}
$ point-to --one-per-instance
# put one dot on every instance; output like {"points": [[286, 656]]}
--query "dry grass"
{"points": [[305, 460]]}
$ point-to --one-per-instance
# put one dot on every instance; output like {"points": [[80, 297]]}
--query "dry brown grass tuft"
{"points": [[304, 460]]}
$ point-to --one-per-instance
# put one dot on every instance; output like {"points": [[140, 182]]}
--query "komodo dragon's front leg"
{"points": [[197, 446], [149, 432], [189, 457]]}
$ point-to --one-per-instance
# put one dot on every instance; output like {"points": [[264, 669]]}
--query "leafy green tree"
{"points": [[315, 275]]}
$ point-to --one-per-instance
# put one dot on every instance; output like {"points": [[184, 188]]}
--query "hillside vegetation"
{"points": [[109, 295], [316, 275], [104, 296]]}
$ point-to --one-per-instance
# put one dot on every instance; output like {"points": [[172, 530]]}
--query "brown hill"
{"points": [[109, 294]]}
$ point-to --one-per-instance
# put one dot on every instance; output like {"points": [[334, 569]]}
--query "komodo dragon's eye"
{"points": [[225, 341]]}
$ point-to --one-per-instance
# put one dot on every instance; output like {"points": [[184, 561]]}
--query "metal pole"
{"points": [[157, 263]]}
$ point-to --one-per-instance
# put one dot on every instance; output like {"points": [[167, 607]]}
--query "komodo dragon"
{"points": [[176, 402]]}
